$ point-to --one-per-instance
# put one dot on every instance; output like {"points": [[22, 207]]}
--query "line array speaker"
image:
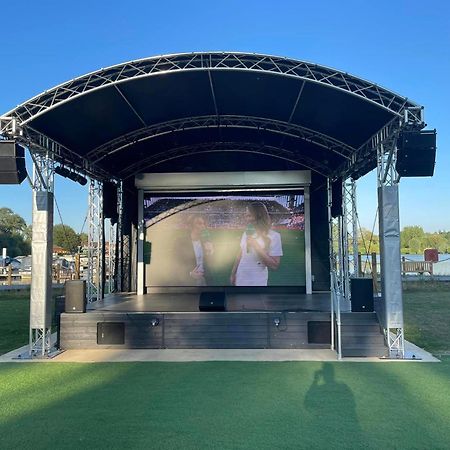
{"points": [[110, 201], [416, 154], [336, 198], [12, 163]]}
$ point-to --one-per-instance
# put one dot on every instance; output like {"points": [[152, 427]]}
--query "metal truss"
{"points": [[209, 62], [336, 274], [119, 239], [227, 121], [385, 143], [112, 245], [350, 233], [211, 147], [38, 142], [40, 336], [95, 242]]}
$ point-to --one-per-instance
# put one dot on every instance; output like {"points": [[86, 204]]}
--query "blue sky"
{"points": [[401, 45]]}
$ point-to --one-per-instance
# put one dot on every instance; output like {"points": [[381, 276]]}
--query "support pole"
{"points": [[95, 242], [389, 229], [308, 240], [42, 253], [140, 244]]}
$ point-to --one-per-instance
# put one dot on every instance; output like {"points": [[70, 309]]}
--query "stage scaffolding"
{"points": [[351, 161], [95, 242], [42, 251]]}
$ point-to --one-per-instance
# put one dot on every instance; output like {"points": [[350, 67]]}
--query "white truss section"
{"points": [[95, 242]]}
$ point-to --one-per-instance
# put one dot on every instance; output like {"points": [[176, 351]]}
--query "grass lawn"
{"points": [[426, 309], [225, 405], [230, 405], [14, 319]]}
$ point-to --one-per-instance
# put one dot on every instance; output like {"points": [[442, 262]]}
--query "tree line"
{"points": [[413, 240], [16, 235]]}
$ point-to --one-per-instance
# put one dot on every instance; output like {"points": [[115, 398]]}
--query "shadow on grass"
{"points": [[224, 405]]}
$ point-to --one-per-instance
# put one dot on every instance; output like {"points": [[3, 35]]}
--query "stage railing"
{"points": [[336, 312]]}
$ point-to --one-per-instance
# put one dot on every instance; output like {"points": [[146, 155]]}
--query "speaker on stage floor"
{"points": [[75, 292], [416, 153], [212, 301], [12, 163], [361, 294]]}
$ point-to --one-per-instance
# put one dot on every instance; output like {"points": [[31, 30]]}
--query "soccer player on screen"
{"points": [[260, 249]]}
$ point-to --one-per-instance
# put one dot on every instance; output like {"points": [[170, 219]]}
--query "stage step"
{"points": [[361, 335]]}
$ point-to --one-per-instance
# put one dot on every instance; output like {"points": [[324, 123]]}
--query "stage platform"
{"points": [[173, 320]]}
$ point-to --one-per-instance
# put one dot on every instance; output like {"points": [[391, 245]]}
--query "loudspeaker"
{"points": [[416, 153], [336, 198], [319, 332], [110, 201], [75, 291], [212, 301], [12, 163], [110, 333], [361, 294]]}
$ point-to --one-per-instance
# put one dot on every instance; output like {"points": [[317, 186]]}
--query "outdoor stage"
{"points": [[248, 322], [258, 321], [213, 134]]}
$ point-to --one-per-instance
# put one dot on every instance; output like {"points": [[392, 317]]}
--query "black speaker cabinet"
{"points": [[12, 163], [212, 301], [110, 201], [75, 292], [416, 153], [361, 294], [110, 333], [336, 198]]}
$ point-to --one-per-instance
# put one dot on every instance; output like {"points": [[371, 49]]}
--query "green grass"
{"points": [[427, 315], [225, 405], [14, 319]]}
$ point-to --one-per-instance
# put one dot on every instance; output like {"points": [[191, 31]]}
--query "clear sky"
{"points": [[401, 45]]}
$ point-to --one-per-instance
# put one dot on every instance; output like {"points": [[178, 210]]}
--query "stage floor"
{"points": [[186, 302]]}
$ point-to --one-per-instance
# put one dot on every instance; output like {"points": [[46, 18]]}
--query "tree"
{"points": [[409, 233], [11, 223], [13, 234], [65, 237], [83, 239]]}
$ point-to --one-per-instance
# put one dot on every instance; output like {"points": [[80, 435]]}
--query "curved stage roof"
{"points": [[189, 111]]}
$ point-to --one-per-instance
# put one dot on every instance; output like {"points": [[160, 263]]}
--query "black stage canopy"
{"points": [[212, 112]]}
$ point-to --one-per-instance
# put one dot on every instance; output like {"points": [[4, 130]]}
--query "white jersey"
{"points": [[251, 270]]}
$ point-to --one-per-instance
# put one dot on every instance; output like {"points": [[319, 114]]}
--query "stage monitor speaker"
{"points": [[416, 154], [12, 163], [319, 332], [75, 292], [110, 333], [212, 301], [336, 198], [361, 294], [110, 201]]}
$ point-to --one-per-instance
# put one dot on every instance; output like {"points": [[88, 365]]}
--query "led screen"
{"points": [[225, 240]]}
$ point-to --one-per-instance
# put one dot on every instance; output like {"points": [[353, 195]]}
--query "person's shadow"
{"points": [[330, 405]]}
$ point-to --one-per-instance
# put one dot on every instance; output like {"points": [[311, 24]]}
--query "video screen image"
{"points": [[225, 240]]}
